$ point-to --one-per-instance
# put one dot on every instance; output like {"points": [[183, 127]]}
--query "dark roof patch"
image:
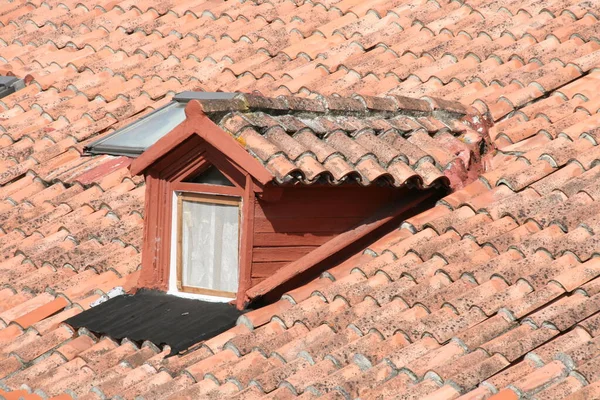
{"points": [[159, 318]]}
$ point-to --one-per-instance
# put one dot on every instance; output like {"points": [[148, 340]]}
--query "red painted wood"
{"points": [[201, 188], [335, 245], [326, 201], [266, 269], [267, 239], [232, 171], [319, 208], [271, 193], [149, 273], [267, 254], [312, 216], [163, 178], [302, 224], [246, 242], [256, 281]]}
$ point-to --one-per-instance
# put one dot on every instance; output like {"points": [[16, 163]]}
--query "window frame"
{"points": [[207, 198]]}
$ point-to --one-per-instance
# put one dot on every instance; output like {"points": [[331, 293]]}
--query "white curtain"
{"points": [[210, 246]]}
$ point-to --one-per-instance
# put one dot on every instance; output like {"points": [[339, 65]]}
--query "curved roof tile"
{"points": [[493, 293]]}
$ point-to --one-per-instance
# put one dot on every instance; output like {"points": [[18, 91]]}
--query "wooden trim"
{"points": [[204, 188], [335, 245], [179, 242], [209, 199], [180, 162], [150, 276], [247, 242], [227, 145], [161, 147], [209, 292]]}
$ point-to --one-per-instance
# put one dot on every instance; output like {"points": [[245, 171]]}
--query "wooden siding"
{"points": [[165, 176], [304, 218]]}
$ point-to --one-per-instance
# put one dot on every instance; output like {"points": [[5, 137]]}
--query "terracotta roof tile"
{"points": [[503, 264]]}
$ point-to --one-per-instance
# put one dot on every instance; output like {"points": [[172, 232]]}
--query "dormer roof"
{"points": [[391, 140]]}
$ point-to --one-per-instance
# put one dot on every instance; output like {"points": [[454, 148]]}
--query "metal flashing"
{"points": [[186, 96], [9, 85]]}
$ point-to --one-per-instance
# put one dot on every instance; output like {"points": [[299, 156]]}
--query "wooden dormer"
{"points": [[237, 204]]}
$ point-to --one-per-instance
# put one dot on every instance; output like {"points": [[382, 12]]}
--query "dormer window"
{"points": [[208, 237], [252, 196], [206, 234]]}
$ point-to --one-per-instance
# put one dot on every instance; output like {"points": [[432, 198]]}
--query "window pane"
{"points": [[209, 246], [211, 176], [143, 133]]}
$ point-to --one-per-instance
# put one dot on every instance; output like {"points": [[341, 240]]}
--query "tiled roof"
{"points": [[387, 140], [494, 290]]}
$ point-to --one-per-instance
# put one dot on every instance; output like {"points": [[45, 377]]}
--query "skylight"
{"points": [[9, 85], [133, 139]]}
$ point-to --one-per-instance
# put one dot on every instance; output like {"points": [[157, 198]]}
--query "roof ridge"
{"points": [[355, 105]]}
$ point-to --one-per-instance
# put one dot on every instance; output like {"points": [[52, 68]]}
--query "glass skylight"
{"points": [[133, 139]]}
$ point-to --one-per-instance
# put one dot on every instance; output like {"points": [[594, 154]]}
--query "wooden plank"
{"points": [[210, 199], [317, 209], [347, 189], [324, 204], [308, 224], [246, 242], [209, 292], [164, 208], [268, 254], [150, 275], [276, 239], [335, 245], [266, 269], [256, 281], [212, 189], [179, 243]]}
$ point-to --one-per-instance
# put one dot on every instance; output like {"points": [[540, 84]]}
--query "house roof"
{"points": [[491, 293]]}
